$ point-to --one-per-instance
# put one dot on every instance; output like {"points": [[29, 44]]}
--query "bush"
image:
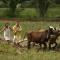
{"points": [[3, 12], [27, 13]]}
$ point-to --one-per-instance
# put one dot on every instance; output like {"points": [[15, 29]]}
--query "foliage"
{"points": [[57, 1], [12, 6], [43, 7], [27, 13]]}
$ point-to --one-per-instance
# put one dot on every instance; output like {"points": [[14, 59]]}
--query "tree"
{"points": [[12, 6], [43, 7], [57, 1]]}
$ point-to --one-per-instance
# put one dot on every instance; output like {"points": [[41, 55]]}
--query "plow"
{"points": [[23, 42]]}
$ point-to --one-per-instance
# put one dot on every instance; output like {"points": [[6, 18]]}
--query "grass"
{"points": [[8, 52]]}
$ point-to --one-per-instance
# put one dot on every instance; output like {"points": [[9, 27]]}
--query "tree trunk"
{"points": [[12, 9]]}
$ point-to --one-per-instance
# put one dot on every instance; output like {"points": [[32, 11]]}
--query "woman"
{"points": [[7, 32]]}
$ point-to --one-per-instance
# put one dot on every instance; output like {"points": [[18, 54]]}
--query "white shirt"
{"points": [[7, 34]]}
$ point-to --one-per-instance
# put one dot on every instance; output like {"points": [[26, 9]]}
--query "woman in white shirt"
{"points": [[7, 32]]}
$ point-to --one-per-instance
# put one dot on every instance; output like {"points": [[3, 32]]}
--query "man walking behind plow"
{"points": [[17, 37]]}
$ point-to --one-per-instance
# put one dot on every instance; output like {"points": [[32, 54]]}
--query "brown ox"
{"points": [[40, 37], [43, 36]]}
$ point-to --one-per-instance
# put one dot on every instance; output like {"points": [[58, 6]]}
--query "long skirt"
{"points": [[7, 37]]}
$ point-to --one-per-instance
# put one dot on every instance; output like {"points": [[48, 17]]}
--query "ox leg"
{"points": [[33, 44], [28, 44], [49, 45], [45, 45], [55, 45], [39, 47]]}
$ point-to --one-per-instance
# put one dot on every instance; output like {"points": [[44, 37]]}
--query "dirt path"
{"points": [[30, 20], [9, 20]]}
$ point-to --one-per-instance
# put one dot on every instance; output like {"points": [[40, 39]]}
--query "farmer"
{"points": [[17, 37], [7, 32]]}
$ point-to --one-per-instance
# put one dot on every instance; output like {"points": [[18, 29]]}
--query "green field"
{"points": [[8, 52]]}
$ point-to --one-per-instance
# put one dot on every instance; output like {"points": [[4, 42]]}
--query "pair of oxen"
{"points": [[40, 37]]}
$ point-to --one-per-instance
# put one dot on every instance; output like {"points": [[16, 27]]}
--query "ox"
{"points": [[53, 38], [39, 37], [43, 36]]}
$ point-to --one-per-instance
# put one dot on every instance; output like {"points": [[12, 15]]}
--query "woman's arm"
{"points": [[20, 28], [11, 29], [2, 29]]}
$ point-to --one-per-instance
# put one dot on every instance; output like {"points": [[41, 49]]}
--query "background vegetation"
{"points": [[29, 9]]}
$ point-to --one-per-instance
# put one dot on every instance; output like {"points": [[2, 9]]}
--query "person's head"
{"points": [[6, 24], [17, 23]]}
